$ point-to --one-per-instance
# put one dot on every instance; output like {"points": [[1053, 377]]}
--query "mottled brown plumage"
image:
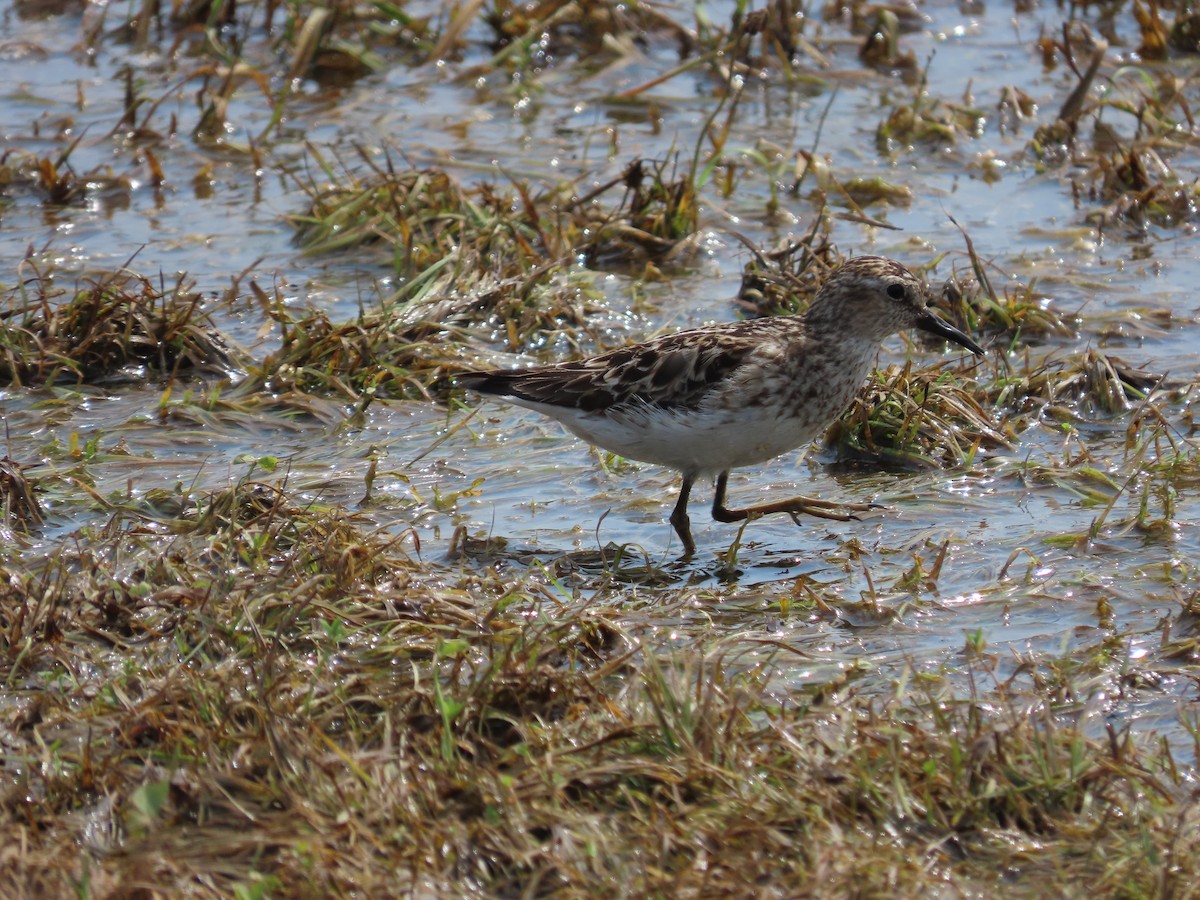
{"points": [[712, 399]]}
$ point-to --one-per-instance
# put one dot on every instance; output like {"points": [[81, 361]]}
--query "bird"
{"points": [[719, 397]]}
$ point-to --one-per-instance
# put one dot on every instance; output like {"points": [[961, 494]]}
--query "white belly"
{"points": [[699, 442]]}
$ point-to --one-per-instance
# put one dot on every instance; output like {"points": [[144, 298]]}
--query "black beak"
{"points": [[935, 324]]}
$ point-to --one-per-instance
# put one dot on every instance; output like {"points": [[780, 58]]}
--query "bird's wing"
{"points": [[674, 371]]}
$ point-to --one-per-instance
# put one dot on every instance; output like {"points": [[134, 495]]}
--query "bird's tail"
{"points": [[496, 383]]}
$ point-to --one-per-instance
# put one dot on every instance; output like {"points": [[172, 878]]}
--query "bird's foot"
{"points": [[796, 507]]}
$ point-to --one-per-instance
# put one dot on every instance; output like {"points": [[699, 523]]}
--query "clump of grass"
{"points": [[417, 337], [928, 121], [533, 35], [55, 180], [881, 46], [933, 122], [18, 496], [1185, 33], [427, 217], [265, 525], [921, 419], [375, 353], [1054, 142], [1129, 177], [783, 281], [1020, 314], [332, 43], [114, 326], [1094, 382], [423, 215], [779, 30], [1110, 384], [1136, 184], [657, 212]]}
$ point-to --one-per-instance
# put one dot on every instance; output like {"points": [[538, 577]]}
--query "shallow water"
{"points": [[220, 213]]}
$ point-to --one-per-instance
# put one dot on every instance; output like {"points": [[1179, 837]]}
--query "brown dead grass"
{"points": [[257, 695], [111, 327], [247, 692], [925, 418]]}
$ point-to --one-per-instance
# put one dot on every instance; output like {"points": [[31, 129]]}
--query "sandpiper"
{"points": [[711, 399]]}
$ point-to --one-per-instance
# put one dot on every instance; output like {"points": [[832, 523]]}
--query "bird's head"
{"points": [[874, 297]]}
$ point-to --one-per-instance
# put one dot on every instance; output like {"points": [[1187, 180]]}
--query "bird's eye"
{"points": [[895, 291]]}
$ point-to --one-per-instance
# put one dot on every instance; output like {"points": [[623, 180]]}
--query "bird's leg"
{"points": [[822, 509], [679, 516]]}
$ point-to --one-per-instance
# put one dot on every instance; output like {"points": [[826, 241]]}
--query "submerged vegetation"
{"points": [[258, 637]]}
